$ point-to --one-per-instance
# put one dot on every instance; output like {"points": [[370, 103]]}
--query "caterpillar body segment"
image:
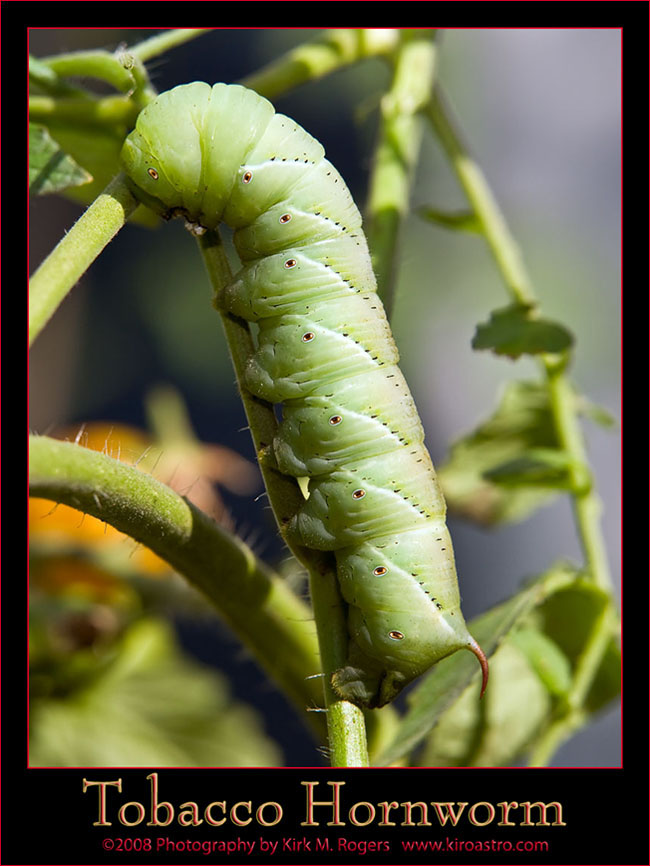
{"points": [[350, 430]]}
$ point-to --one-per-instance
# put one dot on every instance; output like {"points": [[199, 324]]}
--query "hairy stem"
{"points": [[76, 251], [345, 721], [257, 604]]}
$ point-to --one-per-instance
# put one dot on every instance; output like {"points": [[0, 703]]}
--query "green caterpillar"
{"points": [[326, 353]]}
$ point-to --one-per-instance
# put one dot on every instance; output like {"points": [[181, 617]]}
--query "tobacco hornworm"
{"points": [[326, 353]]}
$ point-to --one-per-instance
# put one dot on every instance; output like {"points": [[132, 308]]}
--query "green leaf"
{"points": [[496, 730], [465, 221], [440, 689], [150, 705], [513, 331], [547, 467], [97, 150], [531, 677], [597, 414], [489, 476], [51, 169], [568, 619], [545, 658]]}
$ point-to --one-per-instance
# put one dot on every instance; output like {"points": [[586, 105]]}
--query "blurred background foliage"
{"points": [[542, 110]]}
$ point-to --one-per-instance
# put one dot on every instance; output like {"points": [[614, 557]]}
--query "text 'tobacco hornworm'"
{"points": [[326, 353]]}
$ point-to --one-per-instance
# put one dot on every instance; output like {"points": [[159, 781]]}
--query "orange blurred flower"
{"points": [[184, 464]]}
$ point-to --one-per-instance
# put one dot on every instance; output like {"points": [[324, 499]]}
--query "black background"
{"points": [[46, 816]]}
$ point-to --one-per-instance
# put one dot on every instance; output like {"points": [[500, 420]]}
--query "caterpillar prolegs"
{"points": [[326, 353]]}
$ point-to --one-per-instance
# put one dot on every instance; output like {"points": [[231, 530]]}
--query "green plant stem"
{"points": [[76, 251], [586, 503], [326, 53], [168, 417], [572, 716], [121, 69], [257, 604], [92, 64], [43, 77], [345, 721], [412, 56], [284, 495], [510, 264], [108, 111], [493, 226], [587, 508], [156, 45], [396, 154]]}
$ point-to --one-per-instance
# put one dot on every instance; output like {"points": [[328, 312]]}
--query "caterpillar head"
{"points": [[188, 146], [162, 157]]}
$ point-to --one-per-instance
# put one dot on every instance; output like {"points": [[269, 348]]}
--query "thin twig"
{"points": [[587, 507], [345, 721], [396, 154]]}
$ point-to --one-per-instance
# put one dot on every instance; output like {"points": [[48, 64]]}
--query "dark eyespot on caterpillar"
{"points": [[300, 206]]}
